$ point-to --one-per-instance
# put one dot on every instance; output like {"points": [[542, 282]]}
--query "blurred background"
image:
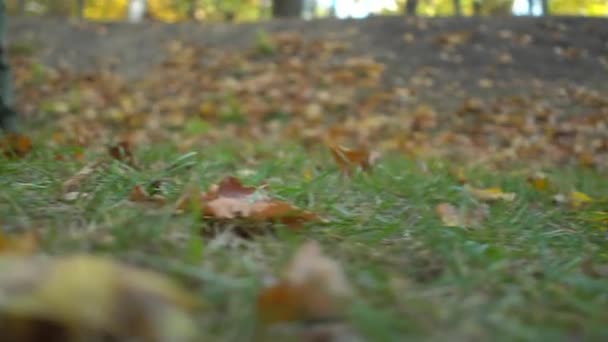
{"points": [[254, 10]]}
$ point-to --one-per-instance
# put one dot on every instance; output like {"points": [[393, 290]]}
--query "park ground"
{"points": [[455, 170]]}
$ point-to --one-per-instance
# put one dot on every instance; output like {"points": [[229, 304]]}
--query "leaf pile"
{"points": [[309, 91]]}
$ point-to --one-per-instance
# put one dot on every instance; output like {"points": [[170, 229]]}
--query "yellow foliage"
{"points": [[106, 10], [164, 10]]}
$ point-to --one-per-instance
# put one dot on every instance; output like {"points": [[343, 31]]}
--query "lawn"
{"points": [[515, 276], [471, 205]]}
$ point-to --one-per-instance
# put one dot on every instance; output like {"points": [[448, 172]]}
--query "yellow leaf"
{"points": [[577, 199], [539, 181], [490, 194], [88, 297], [452, 216], [449, 215]]}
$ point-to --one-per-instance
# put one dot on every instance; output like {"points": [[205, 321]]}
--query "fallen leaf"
{"points": [[350, 159], [460, 176], [577, 199], [230, 199], [313, 287], [593, 270], [74, 182], [140, 195], [123, 151], [22, 244], [539, 181], [15, 145], [453, 39], [86, 298], [452, 216], [490, 194]]}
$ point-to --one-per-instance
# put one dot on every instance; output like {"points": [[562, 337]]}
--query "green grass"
{"points": [[517, 277]]}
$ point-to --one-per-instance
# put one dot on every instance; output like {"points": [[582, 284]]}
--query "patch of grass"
{"points": [[263, 43], [517, 277]]}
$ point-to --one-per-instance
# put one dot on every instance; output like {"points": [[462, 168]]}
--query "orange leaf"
{"points": [[539, 181], [123, 151], [350, 159], [23, 244], [139, 194], [313, 287], [15, 145]]}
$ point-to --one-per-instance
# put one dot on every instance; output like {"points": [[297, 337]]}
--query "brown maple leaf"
{"points": [[229, 199], [349, 160], [15, 145], [313, 287], [123, 151]]}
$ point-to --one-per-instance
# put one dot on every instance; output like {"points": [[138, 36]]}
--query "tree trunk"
{"points": [[287, 8], [192, 7], [21, 7], [477, 8], [411, 7], [545, 4], [457, 8], [530, 7], [81, 5], [8, 117], [333, 11]]}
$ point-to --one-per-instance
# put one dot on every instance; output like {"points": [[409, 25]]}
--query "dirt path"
{"points": [[465, 50]]}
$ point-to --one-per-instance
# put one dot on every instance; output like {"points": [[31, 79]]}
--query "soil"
{"points": [[548, 49]]}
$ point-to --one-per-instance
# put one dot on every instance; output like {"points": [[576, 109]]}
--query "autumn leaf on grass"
{"points": [[15, 145], [593, 270], [539, 181], [231, 200], [452, 216], [140, 195], [490, 194], [22, 244], [574, 199], [123, 151], [72, 184], [459, 175], [452, 39], [86, 298], [313, 287], [349, 160]]}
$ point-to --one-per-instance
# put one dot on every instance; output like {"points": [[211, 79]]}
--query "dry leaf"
{"points": [[452, 39], [350, 159], [23, 244], [592, 270], [539, 181], [123, 151], [577, 199], [231, 200], [313, 287], [15, 145], [140, 195], [455, 217], [74, 182], [85, 298], [450, 216], [490, 194], [574, 199]]}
